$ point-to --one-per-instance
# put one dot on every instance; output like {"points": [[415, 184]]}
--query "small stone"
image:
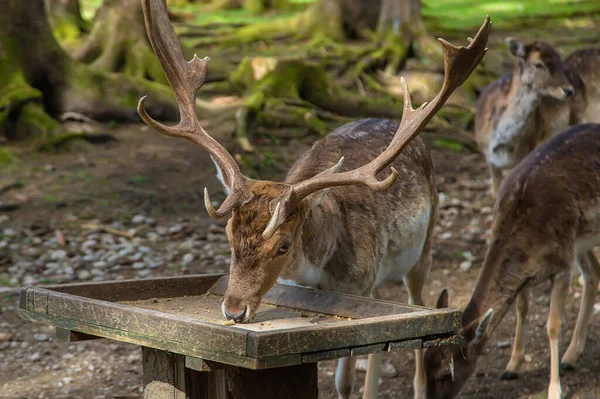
{"points": [[41, 337], [83, 274], [486, 210], [162, 230], [466, 265], [67, 380], [528, 358], [152, 236], [57, 367], [49, 168], [35, 357], [138, 265], [59, 254], [9, 232], [597, 308], [145, 273], [89, 243], [138, 219], [100, 264], [187, 258], [503, 344], [4, 336], [187, 245], [388, 370], [447, 235], [175, 229], [97, 272]]}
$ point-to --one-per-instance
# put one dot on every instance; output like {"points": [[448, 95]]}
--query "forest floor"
{"points": [[161, 179], [149, 188]]}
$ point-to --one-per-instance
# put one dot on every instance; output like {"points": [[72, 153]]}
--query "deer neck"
{"points": [[321, 231], [517, 123], [498, 285]]}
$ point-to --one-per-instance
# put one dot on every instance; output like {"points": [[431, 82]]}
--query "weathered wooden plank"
{"points": [[353, 333], [405, 344], [325, 355], [294, 382], [129, 290], [164, 374], [205, 385], [73, 336], [329, 302], [367, 349], [124, 320]]}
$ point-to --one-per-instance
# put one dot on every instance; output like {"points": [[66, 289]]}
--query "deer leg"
{"points": [[516, 359], [415, 280], [496, 179], [590, 269], [344, 377], [560, 289], [372, 377], [373, 366]]}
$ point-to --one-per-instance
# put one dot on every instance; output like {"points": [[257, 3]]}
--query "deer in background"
{"points": [[540, 98], [332, 223], [547, 213]]}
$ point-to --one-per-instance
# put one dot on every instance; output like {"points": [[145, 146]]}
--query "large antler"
{"points": [[185, 79], [459, 62]]}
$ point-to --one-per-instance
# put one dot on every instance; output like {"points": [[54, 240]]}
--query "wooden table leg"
{"points": [[292, 382], [166, 377]]}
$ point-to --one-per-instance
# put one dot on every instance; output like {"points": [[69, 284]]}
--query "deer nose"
{"points": [[569, 91], [509, 149], [236, 317]]}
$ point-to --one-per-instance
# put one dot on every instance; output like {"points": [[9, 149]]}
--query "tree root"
{"points": [[109, 47]]}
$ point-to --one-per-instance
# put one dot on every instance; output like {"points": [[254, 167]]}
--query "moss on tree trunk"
{"points": [[39, 81], [293, 92], [118, 42], [66, 21]]}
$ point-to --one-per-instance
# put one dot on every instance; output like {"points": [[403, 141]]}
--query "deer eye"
{"points": [[284, 248], [539, 65]]}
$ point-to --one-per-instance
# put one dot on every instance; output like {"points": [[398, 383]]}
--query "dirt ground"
{"points": [[163, 178]]}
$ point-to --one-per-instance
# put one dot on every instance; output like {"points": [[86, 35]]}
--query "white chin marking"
{"points": [[223, 310]]}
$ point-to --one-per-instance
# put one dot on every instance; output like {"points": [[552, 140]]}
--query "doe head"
{"points": [[541, 68], [449, 367]]}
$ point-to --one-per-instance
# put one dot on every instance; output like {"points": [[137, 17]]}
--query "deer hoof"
{"points": [[509, 375], [566, 366]]}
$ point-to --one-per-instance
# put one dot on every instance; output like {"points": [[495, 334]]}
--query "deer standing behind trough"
{"points": [[540, 98], [332, 223], [547, 215]]}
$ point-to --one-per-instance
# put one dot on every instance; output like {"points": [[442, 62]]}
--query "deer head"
{"points": [[264, 230], [449, 367], [540, 67]]}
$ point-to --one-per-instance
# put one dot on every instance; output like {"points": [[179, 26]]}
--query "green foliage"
{"points": [[5, 157], [139, 179]]}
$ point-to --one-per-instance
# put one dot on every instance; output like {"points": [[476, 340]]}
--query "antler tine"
{"points": [[186, 78], [459, 63]]}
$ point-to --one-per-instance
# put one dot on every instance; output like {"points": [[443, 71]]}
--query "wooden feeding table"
{"points": [[189, 351]]}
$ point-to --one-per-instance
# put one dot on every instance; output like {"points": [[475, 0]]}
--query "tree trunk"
{"points": [[118, 42], [39, 81], [402, 20], [66, 20]]}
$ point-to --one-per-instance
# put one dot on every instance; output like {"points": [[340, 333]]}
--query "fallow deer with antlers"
{"points": [[540, 98], [332, 223], [546, 216]]}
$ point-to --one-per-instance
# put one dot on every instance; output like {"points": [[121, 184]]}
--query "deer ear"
{"points": [[516, 47], [334, 169], [221, 177], [442, 301], [482, 327]]}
